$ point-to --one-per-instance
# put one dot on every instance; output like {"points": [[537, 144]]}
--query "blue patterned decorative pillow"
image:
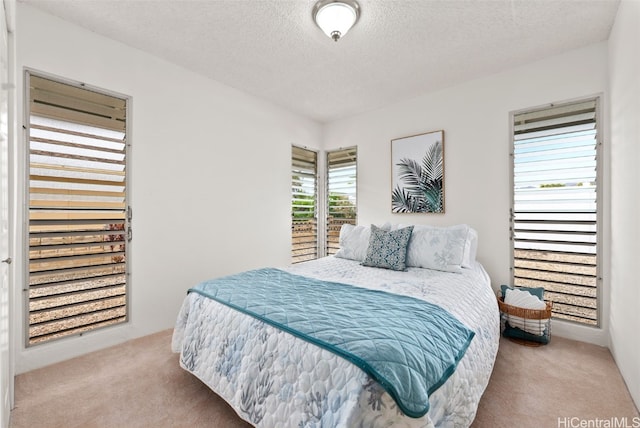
{"points": [[388, 249]]}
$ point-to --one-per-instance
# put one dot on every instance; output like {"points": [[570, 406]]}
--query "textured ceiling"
{"points": [[399, 49]]}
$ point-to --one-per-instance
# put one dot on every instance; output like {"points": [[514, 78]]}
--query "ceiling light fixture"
{"points": [[336, 17]]}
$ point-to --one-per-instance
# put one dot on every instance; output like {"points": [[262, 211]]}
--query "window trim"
{"points": [[26, 132], [601, 203], [326, 192], [317, 201]]}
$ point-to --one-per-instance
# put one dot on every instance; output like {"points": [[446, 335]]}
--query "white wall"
{"points": [[624, 70], [475, 118], [210, 174]]}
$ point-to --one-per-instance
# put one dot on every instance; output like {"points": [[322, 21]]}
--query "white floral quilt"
{"points": [[274, 379]]}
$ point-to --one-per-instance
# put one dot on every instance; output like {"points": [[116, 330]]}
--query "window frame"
{"points": [[316, 207], [328, 153], [127, 150], [600, 246]]}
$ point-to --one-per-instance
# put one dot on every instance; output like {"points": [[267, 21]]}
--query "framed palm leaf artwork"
{"points": [[418, 173]]}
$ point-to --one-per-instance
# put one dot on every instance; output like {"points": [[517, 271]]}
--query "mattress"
{"points": [[273, 378]]}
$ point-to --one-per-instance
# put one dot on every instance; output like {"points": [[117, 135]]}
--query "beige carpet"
{"points": [[139, 384]]}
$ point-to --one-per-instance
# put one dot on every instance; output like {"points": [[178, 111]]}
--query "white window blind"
{"points": [[304, 218], [341, 194], [555, 207], [77, 210]]}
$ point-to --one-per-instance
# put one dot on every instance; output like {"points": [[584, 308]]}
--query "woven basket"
{"points": [[536, 318]]}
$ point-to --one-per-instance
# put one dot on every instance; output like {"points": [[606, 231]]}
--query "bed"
{"points": [[273, 378]]}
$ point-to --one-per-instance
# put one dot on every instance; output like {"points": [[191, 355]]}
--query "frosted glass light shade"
{"points": [[336, 17]]}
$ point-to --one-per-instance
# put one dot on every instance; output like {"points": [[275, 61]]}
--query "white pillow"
{"points": [[470, 249], [354, 241], [526, 300], [439, 248]]}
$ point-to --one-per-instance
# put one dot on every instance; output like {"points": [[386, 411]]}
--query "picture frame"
{"points": [[417, 173]]}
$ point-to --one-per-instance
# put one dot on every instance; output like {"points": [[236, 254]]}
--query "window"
{"points": [[78, 216], [304, 216], [341, 194], [555, 206]]}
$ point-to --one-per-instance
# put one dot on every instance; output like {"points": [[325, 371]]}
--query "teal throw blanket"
{"points": [[409, 346]]}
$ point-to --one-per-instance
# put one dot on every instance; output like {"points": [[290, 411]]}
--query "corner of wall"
{"points": [[624, 91]]}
